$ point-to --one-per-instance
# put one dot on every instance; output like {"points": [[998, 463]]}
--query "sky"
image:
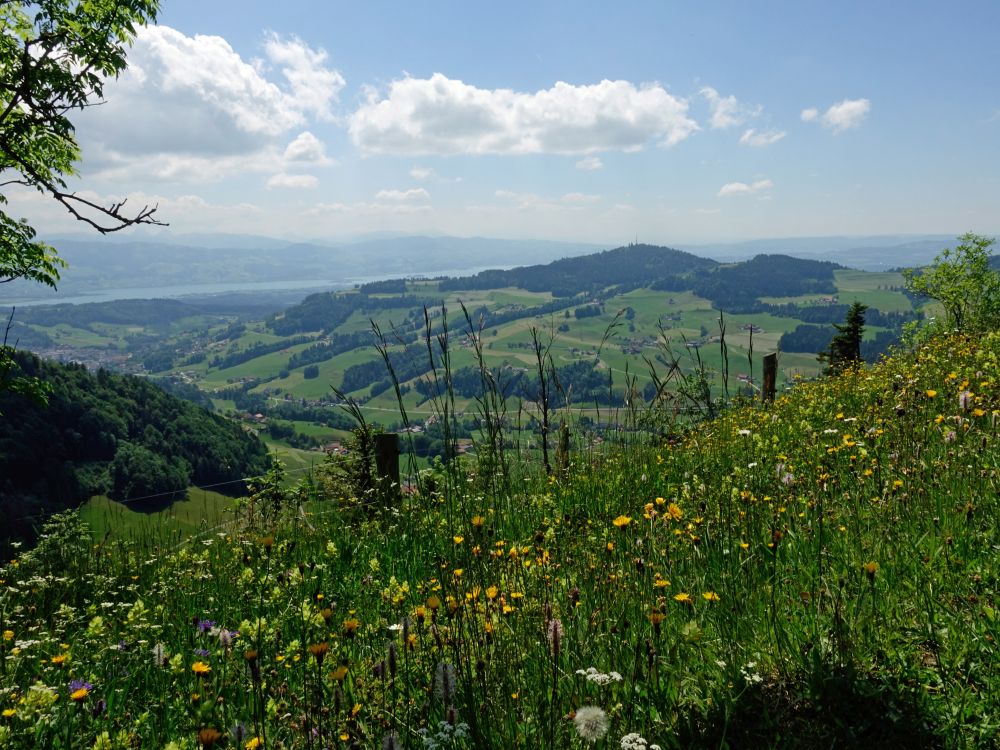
{"points": [[667, 122]]}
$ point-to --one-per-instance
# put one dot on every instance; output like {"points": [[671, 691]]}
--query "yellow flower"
{"points": [[351, 626], [8, 712], [683, 597], [59, 659], [200, 668], [660, 583], [253, 743], [491, 592], [710, 596], [622, 521], [675, 512], [477, 521], [79, 694], [339, 673], [458, 539], [458, 572], [870, 568], [8, 635], [931, 393]]}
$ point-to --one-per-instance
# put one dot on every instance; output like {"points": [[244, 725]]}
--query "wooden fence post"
{"points": [[387, 463], [770, 376]]}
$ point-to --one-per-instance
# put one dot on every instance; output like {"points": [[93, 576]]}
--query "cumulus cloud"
{"points": [[314, 86], [590, 164], [742, 188], [293, 181], [727, 111], [849, 113], [194, 97], [413, 194], [307, 149], [762, 138], [440, 115]]}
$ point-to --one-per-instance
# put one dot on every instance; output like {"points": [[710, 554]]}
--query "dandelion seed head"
{"points": [[591, 723]]}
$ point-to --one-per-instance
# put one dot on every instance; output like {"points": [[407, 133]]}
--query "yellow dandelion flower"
{"points": [[675, 512], [200, 668], [458, 539], [478, 521], [931, 393], [59, 659], [458, 572], [622, 521], [683, 597], [870, 568], [339, 674], [351, 626], [8, 635], [710, 596], [8, 712], [491, 592], [253, 743]]}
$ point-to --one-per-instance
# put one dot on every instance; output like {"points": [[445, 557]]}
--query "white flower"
{"points": [[633, 741], [591, 723], [599, 678]]}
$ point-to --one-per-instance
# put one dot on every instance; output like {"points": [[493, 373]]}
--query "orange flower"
{"points": [[200, 668]]}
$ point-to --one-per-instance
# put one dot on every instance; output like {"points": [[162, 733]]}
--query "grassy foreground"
{"points": [[820, 573]]}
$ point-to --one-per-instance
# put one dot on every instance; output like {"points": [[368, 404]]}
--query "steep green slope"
{"points": [[113, 434]]}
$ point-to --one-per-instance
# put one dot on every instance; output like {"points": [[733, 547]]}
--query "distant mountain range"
{"points": [[151, 259], [871, 253]]}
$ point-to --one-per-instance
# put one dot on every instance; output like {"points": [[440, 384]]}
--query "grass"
{"points": [[199, 509], [821, 572]]}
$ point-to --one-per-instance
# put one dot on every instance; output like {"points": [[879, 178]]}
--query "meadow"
{"points": [[819, 572]]}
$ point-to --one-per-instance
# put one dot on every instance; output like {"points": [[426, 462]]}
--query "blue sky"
{"points": [[676, 122]]}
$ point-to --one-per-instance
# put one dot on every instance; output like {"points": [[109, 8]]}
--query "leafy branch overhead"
{"points": [[55, 57]]}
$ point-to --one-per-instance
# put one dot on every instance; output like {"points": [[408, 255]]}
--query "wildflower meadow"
{"points": [[819, 572]]}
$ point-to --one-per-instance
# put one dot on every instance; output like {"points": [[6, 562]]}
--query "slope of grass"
{"points": [[818, 573]]}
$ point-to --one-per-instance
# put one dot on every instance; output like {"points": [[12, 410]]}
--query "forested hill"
{"points": [[634, 265], [109, 434]]}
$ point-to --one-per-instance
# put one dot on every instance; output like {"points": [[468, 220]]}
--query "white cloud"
{"points": [[314, 87], [841, 116], [413, 194], [306, 148], [293, 181], [194, 99], [590, 163], [422, 173], [580, 198], [365, 209], [742, 188], [440, 115], [847, 114], [761, 139], [727, 110]]}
